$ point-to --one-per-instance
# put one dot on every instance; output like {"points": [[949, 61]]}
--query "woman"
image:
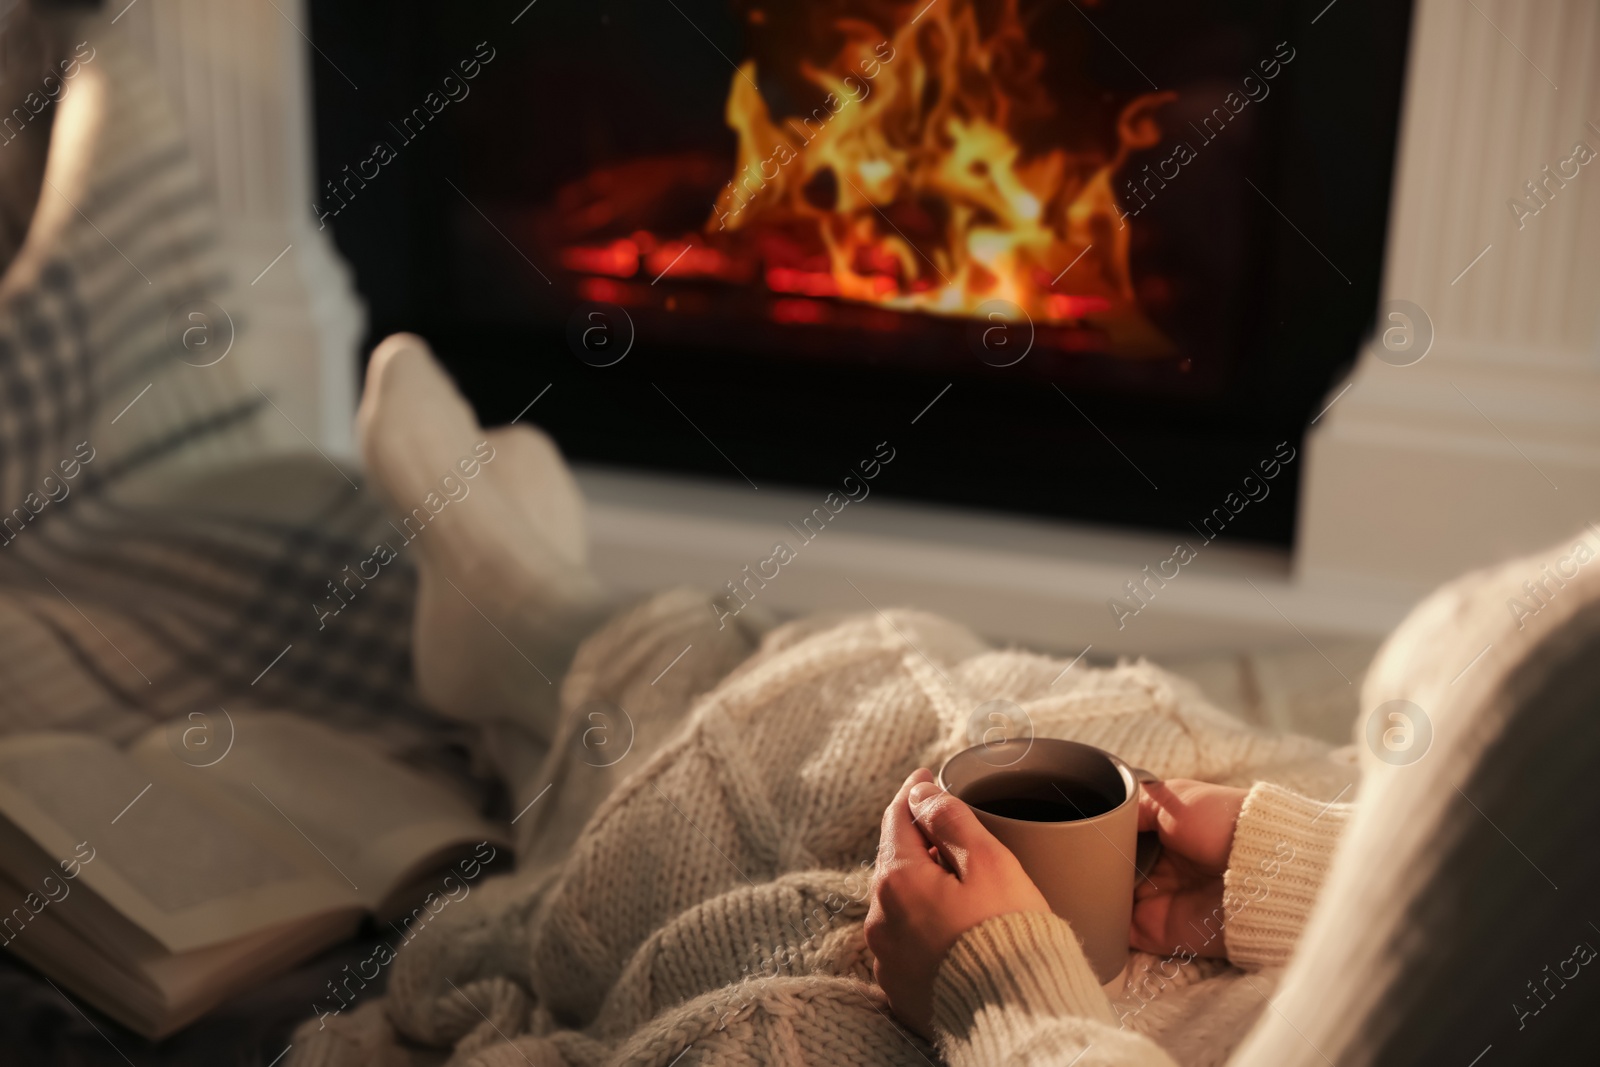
{"points": [[717, 905], [701, 895]]}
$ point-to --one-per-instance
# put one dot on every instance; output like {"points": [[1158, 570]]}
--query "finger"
{"points": [[951, 827], [1149, 930], [1190, 921], [1164, 877], [1196, 919], [898, 839], [1162, 809], [1149, 809]]}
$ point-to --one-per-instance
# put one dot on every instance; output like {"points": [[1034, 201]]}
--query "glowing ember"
{"points": [[908, 186], [619, 259]]}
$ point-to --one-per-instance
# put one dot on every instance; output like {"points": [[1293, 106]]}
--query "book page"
{"points": [[372, 822], [179, 869], [149, 990]]}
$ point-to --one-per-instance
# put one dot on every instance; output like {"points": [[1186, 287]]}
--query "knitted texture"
{"points": [[1468, 873], [1005, 970], [1282, 848], [1456, 876], [711, 908]]}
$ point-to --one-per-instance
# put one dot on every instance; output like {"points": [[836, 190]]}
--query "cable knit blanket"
{"points": [[710, 911]]}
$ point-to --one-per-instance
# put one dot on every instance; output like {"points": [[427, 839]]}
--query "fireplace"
{"points": [[923, 172], [1087, 259]]}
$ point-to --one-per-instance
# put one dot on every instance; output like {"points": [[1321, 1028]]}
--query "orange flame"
{"points": [[910, 183]]}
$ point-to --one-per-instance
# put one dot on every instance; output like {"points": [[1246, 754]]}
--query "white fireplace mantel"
{"points": [[1490, 445], [1487, 446]]}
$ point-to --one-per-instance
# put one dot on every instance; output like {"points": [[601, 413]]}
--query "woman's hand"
{"points": [[1178, 908], [939, 874]]}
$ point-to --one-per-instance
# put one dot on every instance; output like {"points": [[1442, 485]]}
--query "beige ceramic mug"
{"points": [[1069, 812]]}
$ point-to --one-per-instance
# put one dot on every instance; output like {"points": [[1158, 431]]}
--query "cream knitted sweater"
{"points": [[1017, 989], [710, 911], [1456, 924]]}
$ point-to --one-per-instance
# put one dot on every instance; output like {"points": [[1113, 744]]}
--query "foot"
{"points": [[493, 522]]}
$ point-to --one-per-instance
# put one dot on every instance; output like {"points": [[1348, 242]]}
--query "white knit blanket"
{"points": [[710, 910]]}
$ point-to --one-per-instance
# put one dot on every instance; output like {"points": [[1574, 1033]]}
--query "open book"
{"points": [[156, 889]]}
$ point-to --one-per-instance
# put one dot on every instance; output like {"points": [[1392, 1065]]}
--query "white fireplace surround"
{"points": [[1487, 446]]}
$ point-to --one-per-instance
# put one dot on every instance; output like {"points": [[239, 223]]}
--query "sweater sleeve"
{"points": [[1281, 852], [1017, 989]]}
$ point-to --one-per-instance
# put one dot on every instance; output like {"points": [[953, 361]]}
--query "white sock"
{"points": [[495, 528]]}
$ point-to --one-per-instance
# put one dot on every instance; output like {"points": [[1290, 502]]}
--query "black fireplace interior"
{"points": [[751, 240]]}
